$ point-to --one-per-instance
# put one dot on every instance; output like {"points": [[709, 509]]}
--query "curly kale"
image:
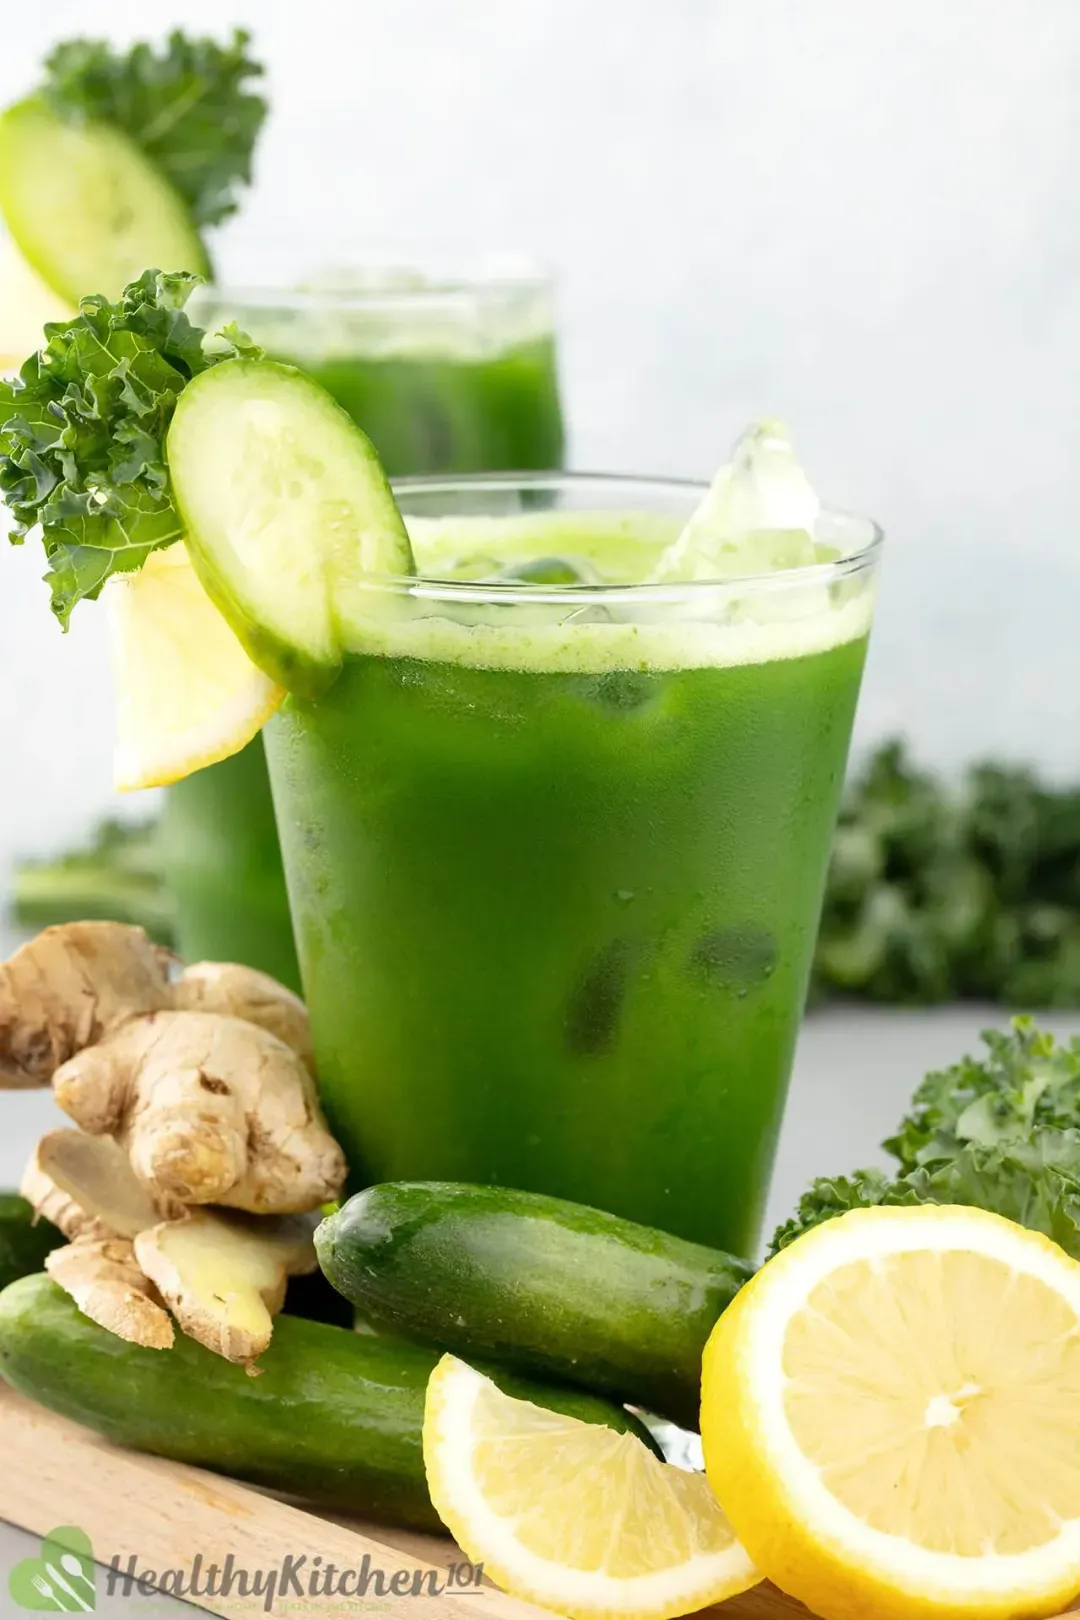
{"points": [[1001, 1134], [82, 432], [1026, 1085], [829, 1196], [188, 106], [938, 895]]}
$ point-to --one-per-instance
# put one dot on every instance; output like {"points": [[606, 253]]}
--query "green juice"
{"points": [[452, 416], [556, 923], [224, 867], [442, 379]]}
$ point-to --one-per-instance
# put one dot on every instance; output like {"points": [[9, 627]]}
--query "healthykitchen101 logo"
{"points": [[61, 1578]]}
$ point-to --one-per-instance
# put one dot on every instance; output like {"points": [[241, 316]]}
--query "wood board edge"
{"points": [[56, 1472], [162, 1513]]}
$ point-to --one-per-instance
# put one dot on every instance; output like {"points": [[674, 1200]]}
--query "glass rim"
{"points": [[432, 587], [383, 286]]}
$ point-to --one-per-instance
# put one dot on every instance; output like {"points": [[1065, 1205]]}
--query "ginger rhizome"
{"points": [[202, 1076], [222, 1275], [85, 1186], [191, 1088]]}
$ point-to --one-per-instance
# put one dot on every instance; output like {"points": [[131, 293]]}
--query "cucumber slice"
{"points": [[86, 208], [285, 508]]}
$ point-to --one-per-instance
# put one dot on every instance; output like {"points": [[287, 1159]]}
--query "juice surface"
{"points": [[426, 413], [556, 925]]}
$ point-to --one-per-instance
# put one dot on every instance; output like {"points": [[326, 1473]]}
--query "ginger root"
{"points": [[224, 1276], [203, 1076], [85, 1186], [210, 1110], [68, 987], [193, 1087], [243, 992], [104, 1279]]}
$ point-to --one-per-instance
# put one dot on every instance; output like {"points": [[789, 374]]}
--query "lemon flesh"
{"points": [[891, 1417], [187, 694], [569, 1514]]}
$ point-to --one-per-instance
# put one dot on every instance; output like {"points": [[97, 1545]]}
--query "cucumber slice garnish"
{"points": [[86, 208], [286, 509]]}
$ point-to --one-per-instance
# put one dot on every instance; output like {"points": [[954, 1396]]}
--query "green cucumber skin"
{"points": [[534, 1283], [24, 1242], [290, 664], [335, 1417]]}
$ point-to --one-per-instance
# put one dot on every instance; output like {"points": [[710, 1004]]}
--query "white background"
{"points": [[860, 216]]}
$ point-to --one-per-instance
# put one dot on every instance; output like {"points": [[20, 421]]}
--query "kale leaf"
{"points": [[1011, 1182], [1025, 1085], [829, 1196], [939, 894], [187, 106], [1001, 1133], [82, 432]]}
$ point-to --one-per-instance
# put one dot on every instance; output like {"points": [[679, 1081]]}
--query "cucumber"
{"points": [[534, 1283], [287, 512], [86, 208], [335, 1417], [24, 1242]]}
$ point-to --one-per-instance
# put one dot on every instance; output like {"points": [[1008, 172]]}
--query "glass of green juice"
{"points": [[444, 376], [556, 841]]}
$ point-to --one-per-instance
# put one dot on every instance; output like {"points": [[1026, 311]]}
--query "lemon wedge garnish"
{"points": [[187, 694], [891, 1417], [569, 1514]]}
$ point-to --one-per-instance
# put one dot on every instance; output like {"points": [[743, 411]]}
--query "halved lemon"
{"points": [[891, 1417], [187, 694], [569, 1514]]}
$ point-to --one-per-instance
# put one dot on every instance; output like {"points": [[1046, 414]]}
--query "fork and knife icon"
{"points": [[47, 1588]]}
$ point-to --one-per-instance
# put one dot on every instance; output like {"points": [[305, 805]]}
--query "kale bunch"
{"points": [[83, 428], [937, 895], [1001, 1133], [189, 107]]}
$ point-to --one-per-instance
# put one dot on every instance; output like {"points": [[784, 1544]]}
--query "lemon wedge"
{"points": [[891, 1417], [569, 1514], [187, 694]]}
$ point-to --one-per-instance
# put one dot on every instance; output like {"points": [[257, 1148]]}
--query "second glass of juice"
{"points": [[556, 842], [443, 376]]}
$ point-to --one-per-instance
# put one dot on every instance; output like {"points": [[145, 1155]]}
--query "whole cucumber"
{"points": [[334, 1416], [24, 1242], [534, 1283]]}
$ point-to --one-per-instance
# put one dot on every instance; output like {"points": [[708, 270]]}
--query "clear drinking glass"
{"points": [[453, 375], [556, 851]]}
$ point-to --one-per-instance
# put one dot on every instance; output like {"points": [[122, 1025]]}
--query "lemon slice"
{"points": [[187, 694], [569, 1514], [891, 1416], [26, 304]]}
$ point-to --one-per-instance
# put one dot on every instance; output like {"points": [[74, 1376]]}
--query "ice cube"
{"points": [[553, 571], [758, 516]]}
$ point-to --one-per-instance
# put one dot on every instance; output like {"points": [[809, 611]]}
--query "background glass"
{"points": [[451, 376]]}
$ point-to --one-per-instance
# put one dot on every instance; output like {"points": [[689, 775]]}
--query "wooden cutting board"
{"points": [[52, 1472]]}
